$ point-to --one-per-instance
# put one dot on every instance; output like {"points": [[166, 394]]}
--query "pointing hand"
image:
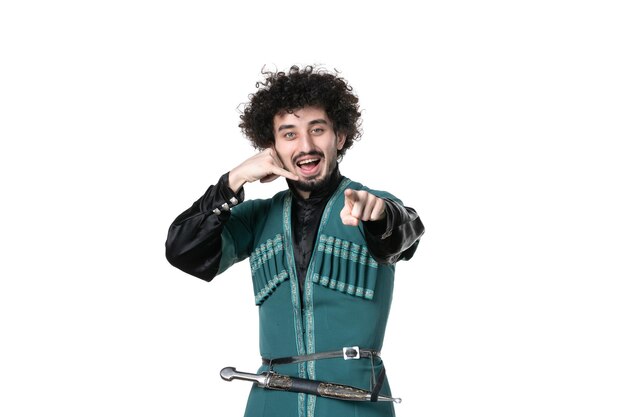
{"points": [[361, 205]]}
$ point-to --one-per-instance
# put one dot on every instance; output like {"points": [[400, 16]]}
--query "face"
{"points": [[307, 146]]}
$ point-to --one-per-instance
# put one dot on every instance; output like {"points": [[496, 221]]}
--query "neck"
{"points": [[304, 194]]}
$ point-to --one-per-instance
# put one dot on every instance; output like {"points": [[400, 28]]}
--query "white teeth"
{"points": [[307, 161]]}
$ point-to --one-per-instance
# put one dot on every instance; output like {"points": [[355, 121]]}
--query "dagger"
{"points": [[272, 380]]}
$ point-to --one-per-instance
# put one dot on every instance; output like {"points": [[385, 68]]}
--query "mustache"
{"points": [[303, 154]]}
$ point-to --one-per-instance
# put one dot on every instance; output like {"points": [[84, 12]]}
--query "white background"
{"points": [[500, 122]]}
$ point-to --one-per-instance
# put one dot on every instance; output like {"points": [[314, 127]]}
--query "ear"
{"points": [[341, 140]]}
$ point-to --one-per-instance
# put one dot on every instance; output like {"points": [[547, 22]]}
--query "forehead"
{"points": [[300, 117]]}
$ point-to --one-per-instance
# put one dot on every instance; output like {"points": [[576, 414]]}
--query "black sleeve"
{"points": [[194, 239], [396, 237]]}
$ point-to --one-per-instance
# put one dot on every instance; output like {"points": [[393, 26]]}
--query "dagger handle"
{"points": [[229, 373]]}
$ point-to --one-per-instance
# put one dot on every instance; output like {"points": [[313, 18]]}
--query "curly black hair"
{"points": [[298, 88]]}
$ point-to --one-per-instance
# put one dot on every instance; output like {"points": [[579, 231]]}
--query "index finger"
{"points": [[350, 195]]}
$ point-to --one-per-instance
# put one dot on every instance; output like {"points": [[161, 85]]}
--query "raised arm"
{"points": [[194, 240]]}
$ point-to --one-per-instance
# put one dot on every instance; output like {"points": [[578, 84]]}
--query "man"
{"points": [[322, 253]]}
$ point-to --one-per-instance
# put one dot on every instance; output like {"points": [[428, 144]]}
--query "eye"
{"points": [[289, 135], [318, 130]]}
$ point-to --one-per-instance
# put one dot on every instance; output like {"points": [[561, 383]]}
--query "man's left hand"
{"points": [[361, 205]]}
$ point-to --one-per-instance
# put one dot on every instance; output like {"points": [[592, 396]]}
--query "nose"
{"points": [[306, 143]]}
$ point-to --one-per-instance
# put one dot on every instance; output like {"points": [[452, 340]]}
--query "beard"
{"points": [[313, 184], [316, 184]]}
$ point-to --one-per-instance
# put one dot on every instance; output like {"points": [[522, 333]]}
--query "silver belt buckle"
{"points": [[351, 352]]}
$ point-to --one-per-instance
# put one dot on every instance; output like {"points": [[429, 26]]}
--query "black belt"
{"points": [[348, 353]]}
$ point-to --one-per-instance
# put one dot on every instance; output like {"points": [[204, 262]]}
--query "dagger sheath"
{"points": [[274, 381], [323, 389]]}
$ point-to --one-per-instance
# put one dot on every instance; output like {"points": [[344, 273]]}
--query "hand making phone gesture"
{"points": [[264, 166]]}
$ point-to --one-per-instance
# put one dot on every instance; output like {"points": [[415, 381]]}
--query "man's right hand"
{"points": [[264, 166]]}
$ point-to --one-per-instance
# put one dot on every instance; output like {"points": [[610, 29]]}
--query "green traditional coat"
{"points": [[346, 301]]}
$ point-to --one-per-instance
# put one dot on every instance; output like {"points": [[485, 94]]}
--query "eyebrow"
{"points": [[312, 122]]}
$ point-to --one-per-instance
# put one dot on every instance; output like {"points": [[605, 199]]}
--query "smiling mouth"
{"points": [[309, 165]]}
